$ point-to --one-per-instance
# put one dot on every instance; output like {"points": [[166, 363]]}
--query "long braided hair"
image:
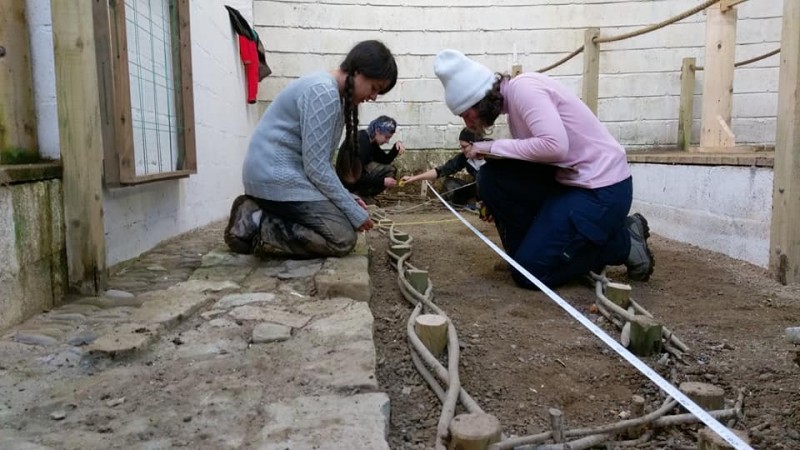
{"points": [[372, 59]]}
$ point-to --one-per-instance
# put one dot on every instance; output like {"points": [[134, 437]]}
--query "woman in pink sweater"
{"points": [[560, 189]]}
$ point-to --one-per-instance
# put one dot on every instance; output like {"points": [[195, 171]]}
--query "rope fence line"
{"points": [[746, 61], [562, 60], [449, 378], [639, 32], [654, 27]]}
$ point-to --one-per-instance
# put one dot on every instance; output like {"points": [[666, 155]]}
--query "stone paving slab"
{"points": [[217, 346], [344, 277], [327, 422]]}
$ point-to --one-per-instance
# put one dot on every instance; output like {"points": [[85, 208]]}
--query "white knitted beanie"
{"points": [[465, 81]]}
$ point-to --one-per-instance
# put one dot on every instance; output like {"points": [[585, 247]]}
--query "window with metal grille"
{"points": [[144, 59]]}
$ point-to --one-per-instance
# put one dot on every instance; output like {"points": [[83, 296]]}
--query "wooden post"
{"points": [[432, 331], [637, 410], [556, 424], [718, 79], [396, 251], [619, 294], [475, 431], [707, 439], [81, 143], [784, 255], [707, 396], [591, 68], [645, 336], [418, 279], [17, 111], [685, 114]]}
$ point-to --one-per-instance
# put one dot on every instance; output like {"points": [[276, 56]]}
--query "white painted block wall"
{"points": [[138, 218], [640, 77], [719, 208]]}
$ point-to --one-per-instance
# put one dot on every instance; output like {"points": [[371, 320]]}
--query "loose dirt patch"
{"points": [[522, 354]]}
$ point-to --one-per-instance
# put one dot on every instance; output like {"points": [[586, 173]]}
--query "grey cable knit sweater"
{"points": [[291, 151]]}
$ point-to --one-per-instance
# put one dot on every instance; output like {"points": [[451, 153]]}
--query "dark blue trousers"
{"points": [[557, 233]]}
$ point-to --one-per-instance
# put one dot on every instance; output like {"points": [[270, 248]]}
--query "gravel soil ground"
{"points": [[522, 354]]}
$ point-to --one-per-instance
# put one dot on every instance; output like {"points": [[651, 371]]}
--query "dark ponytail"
{"points": [[348, 164]]}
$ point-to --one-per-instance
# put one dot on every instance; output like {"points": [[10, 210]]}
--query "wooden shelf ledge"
{"points": [[26, 173]]}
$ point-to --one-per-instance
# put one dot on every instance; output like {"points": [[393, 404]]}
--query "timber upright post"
{"points": [[591, 69], [784, 255], [717, 103], [79, 126], [17, 112], [686, 114]]}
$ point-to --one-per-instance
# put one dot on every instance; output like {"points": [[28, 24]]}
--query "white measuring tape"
{"points": [[665, 385]]}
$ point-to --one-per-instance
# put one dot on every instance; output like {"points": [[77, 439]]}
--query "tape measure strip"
{"points": [[663, 384]]}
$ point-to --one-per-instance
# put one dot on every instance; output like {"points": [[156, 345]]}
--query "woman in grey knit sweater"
{"points": [[294, 204]]}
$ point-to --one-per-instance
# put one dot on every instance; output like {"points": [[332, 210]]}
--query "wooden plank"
{"points": [[784, 255], [685, 113], [718, 77], [18, 142], [744, 158], [81, 143], [174, 175], [121, 106], [105, 74], [591, 69], [186, 102]]}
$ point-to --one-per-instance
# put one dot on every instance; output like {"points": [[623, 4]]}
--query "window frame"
{"points": [[115, 94]]}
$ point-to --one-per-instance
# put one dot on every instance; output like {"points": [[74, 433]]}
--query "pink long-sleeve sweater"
{"points": [[551, 125]]}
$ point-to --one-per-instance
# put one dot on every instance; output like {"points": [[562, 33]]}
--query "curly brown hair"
{"points": [[490, 106]]}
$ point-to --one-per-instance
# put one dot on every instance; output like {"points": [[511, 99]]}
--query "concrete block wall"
{"points": [[640, 77], [719, 208], [32, 250], [138, 218]]}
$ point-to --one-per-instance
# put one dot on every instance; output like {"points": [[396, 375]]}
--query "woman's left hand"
{"points": [[401, 148]]}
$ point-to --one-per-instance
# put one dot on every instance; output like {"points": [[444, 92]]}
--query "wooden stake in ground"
{"points": [[645, 336], [474, 431], [399, 250], [619, 293], [637, 410], [432, 331], [556, 424], [707, 439], [418, 279], [708, 396]]}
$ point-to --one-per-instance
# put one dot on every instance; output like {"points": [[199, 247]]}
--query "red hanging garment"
{"points": [[249, 55]]}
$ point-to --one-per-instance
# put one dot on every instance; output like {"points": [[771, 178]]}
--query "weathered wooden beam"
{"points": [[591, 69], [686, 113], [719, 63], [81, 140], [17, 109], [784, 255]]}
